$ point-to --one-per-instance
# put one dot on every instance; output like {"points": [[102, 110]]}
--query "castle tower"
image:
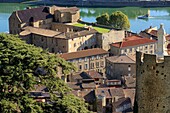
{"points": [[162, 43], [153, 84]]}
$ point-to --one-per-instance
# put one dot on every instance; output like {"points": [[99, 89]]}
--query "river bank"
{"points": [[93, 3], [158, 15]]}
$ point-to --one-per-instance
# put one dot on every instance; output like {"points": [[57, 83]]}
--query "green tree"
{"points": [[119, 20], [103, 19], [21, 67]]}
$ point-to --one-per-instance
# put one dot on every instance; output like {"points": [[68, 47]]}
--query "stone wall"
{"points": [[153, 85]]}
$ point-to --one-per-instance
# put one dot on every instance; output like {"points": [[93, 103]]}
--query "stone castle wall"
{"points": [[153, 84]]}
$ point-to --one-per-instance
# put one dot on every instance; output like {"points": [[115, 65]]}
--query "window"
{"points": [[91, 65], [92, 58], [85, 59], [130, 50], [42, 39], [85, 66], [122, 52], [101, 63], [74, 44], [52, 50], [86, 42], [97, 64], [80, 59], [129, 68], [146, 47], [80, 67], [151, 46], [125, 50], [97, 57], [151, 51]]}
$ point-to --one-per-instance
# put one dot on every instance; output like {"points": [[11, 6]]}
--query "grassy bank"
{"points": [[99, 29]]}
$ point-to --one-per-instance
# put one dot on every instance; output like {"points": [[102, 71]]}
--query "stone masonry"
{"points": [[153, 85]]}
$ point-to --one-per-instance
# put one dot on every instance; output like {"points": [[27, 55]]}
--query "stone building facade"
{"points": [[105, 39], [119, 66], [60, 42], [130, 44], [41, 17], [90, 59], [67, 15]]}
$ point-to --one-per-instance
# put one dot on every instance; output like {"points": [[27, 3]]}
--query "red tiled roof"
{"points": [[134, 37], [128, 43], [83, 53], [153, 32], [94, 74]]}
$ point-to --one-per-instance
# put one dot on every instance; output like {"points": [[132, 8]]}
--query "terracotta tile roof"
{"points": [[110, 92], [93, 74], [80, 33], [136, 42], [39, 31], [88, 96], [90, 85], [121, 102], [74, 85], [117, 92], [70, 9], [103, 91], [134, 37], [121, 59], [153, 32], [147, 35], [40, 13], [83, 53], [130, 82], [130, 93]]}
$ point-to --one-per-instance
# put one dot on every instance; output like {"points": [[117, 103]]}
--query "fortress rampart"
{"points": [[153, 84]]}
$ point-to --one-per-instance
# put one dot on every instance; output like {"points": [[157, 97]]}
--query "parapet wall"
{"points": [[153, 84]]}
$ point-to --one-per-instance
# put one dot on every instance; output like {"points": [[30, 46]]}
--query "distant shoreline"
{"points": [[100, 4]]}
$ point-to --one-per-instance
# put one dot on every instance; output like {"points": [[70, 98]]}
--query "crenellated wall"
{"points": [[153, 84]]}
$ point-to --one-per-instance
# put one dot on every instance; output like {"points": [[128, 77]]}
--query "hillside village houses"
{"points": [[106, 65]]}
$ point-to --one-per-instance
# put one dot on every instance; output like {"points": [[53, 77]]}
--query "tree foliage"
{"points": [[117, 19], [103, 19], [23, 66]]}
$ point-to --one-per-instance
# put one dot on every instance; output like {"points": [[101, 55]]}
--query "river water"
{"points": [[158, 16]]}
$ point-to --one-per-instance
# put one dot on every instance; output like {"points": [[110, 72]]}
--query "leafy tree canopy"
{"points": [[23, 66], [117, 19], [103, 19]]}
